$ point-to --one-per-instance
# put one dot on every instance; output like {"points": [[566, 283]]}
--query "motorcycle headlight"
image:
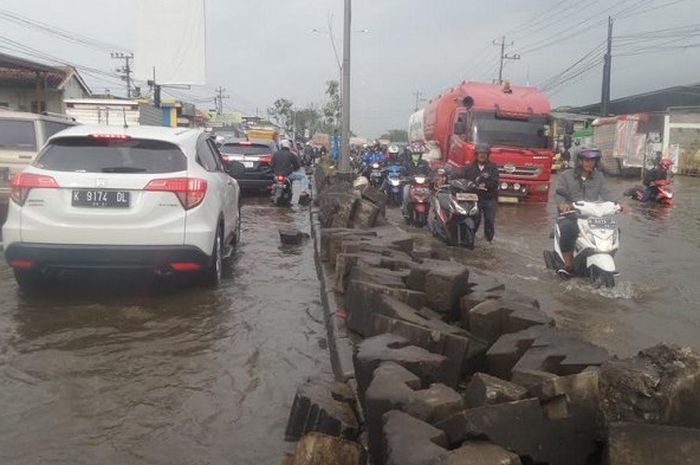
{"points": [[458, 208], [395, 182], [474, 211], [375, 166], [504, 186], [420, 179]]}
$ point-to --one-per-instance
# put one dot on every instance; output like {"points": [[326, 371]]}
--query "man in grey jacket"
{"points": [[583, 183]]}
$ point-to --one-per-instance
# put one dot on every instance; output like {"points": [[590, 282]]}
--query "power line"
{"points": [[219, 99], [125, 70], [504, 57]]}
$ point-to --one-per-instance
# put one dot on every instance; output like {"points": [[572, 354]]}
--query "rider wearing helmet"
{"points": [[583, 183], [393, 154], [484, 174], [657, 173]]}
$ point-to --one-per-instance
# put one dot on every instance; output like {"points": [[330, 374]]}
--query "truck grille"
{"points": [[519, 171]]}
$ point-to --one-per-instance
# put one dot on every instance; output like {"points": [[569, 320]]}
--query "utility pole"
{"points": [[504, 56], [344, 166], [607, 73], [219, 99], [126, 69], [419, 97]]}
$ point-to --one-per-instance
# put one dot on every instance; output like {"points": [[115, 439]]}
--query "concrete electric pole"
{"points": [[504, 57], [419, 98], [125, 70], [344, 166], [219, 99], [607, 73]]}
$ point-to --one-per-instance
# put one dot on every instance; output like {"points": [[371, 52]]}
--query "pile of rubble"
{"points": [[451, 367]]}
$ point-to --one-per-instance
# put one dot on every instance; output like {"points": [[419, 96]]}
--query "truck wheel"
{"points": [[212, 274]]}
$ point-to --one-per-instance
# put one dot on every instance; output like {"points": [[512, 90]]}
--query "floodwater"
{"points": [[657, 298], [117, 370]]}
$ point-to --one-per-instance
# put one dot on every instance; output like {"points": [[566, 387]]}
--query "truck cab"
{"points": [[514, 121]]}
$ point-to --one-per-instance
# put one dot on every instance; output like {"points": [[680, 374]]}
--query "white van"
{"points": [[21, 137]]}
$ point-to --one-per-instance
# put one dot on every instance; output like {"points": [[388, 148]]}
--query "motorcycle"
{"points": [[597, 243], [454, 213], [281, 191], [376, 176], [392, 185], [661, 193], [418, 202]]}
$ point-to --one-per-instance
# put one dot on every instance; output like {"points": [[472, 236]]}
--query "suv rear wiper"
{"points": [[123, 169]]}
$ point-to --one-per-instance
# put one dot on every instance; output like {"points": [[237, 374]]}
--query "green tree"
{"points": [[331, 110], [396, 135], [282, 112], [307, 118]]}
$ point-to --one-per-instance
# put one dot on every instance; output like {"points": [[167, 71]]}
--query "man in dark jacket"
{"points": [[283, 161], [584, 183], [485, 175]]}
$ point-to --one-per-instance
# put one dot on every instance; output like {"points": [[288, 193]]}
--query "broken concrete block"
{"points": [[375, 196], [532, 356], [336, 209], [573, 396], [556, 354], [478, 453], [292, 236], [346, 262], [483, 283], [444, 287], [319, 449], [473, 299], [640, 444], [394, 237], [491, 319], [465, 353], [410, 441], [522, 427], [428, 367], [381, 276], [485, 389], [325, 406], [361, 299], [331, 236], [395, 388], [365, 215], [658, 385]]}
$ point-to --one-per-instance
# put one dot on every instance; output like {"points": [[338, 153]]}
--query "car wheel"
{"points": [[29, 280], [213, 273]]}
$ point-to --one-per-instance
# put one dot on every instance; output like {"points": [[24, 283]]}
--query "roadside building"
{"points": [[35, 87], [668, 119], [114, 112]]}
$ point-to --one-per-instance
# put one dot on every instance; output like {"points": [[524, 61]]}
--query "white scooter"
{"points": [[597, 243]]}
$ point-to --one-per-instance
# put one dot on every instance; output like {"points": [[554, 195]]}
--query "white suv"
{"points": [[135, 198]]}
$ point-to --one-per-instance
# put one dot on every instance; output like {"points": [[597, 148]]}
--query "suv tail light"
{"points": [[265, 159], [190, 191], [22, 183]]}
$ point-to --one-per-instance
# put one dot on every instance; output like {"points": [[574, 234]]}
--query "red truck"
{"points": [[514, 120]]}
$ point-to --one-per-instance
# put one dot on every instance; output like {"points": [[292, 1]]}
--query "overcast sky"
{"points": [[264, 49]]}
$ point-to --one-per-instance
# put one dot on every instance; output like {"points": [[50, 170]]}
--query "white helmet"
{"points": [[220, 140], [393, 149], [285, 144]]}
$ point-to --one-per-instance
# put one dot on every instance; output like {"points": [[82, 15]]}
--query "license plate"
{"points": [[602, 223], [248, 164], [101, 199], [504, 199], [467, 197]]}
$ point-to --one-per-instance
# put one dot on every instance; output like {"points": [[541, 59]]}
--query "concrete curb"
{"points": [[339, 344]]}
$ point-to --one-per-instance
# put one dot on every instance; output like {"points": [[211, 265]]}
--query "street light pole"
{"points": [[344, 166]]}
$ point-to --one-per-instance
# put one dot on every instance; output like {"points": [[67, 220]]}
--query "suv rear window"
{"points": [[234, 148], [89, 155], [17, 135]]}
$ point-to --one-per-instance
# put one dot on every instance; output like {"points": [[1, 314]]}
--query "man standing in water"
{"points": [[583, 183], [485, 175]]}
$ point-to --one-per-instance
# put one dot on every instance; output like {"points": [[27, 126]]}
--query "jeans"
{"points": [[568, 226], [487, 209], [649, 194], [300, 177]]}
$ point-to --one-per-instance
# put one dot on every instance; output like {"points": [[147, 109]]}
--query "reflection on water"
{"points": [[125, 369]]}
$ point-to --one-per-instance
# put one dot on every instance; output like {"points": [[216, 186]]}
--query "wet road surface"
{"points": [[122, 370], [657, 298]]}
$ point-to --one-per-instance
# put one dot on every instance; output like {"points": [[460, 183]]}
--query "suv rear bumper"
{"points": [[149, 258]]}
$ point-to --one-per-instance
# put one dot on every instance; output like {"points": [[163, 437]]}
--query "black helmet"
{"points": [[483, 147]]}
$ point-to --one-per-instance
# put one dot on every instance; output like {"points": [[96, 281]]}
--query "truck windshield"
{"points": [[530, 133]]}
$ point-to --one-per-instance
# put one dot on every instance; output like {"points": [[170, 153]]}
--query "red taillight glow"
{"points": [[185, 266], [102, 136], [21, 264], [265, 159], [22, 183], [190, 191]]}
